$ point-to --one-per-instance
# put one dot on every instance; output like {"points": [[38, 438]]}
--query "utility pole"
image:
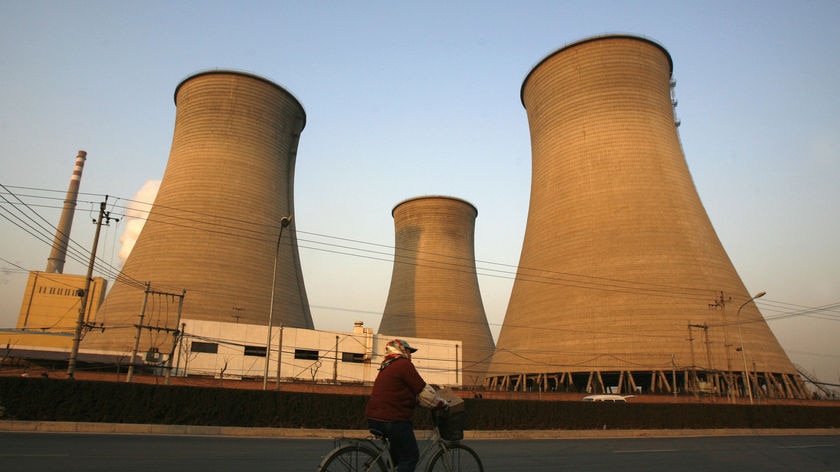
{"points": [[175, 332], [335, 362], [693, 362], [130, 374], [175, 335], [285, 221], [747, 378], [705, 329], [674, 373], [730, 387], [80, 322], [180, 348], [279, 357]]}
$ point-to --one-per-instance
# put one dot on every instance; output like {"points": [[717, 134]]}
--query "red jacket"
{"points": [[394, 393]]}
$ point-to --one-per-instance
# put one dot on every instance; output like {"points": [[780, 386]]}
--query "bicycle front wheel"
{"points": [[455, 457], [353, 458]]}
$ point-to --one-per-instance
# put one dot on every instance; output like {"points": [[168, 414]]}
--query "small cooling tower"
{"points": [[622, 281], [434, 287], [214, 227]]}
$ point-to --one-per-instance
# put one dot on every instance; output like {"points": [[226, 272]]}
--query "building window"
{"points": [[352, 357], [256, 351], [306, 354], [210, 348]]}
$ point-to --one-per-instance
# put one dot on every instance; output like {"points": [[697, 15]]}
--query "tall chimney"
{"points": [[55, 263]]}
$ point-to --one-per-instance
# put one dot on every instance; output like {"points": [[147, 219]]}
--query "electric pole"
{"points": [[80, 322], [730, 387]]}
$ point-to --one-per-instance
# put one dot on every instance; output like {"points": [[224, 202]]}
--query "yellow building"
{"points": [[49, 311]]}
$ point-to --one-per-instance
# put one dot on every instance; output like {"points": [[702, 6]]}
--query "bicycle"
{"points": [[372, 454]]}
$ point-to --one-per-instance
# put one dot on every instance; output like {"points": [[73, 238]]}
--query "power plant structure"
{"points": [[52, 300], [434, 289], [623, 285], [219, 243], [58, 254]]}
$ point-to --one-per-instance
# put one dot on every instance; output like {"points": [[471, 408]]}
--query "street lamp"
{"points": [[747, 380], [283, 223]]}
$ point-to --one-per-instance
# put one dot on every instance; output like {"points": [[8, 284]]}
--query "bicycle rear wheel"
{"points": [[456, 457], [353, 458]]}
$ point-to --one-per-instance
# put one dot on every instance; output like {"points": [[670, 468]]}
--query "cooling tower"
{"points": [[434, 287], [215, 227], [622, 281]]}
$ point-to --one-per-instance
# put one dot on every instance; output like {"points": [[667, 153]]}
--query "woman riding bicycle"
{"points": [[392, 401]]}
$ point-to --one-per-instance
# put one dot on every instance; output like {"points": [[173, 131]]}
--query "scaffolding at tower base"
{"points": [[769, 385]]}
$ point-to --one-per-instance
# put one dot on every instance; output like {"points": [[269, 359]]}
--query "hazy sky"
{"points": [[423, 99]]}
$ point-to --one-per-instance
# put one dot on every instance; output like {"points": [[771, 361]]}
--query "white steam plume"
{"points": [[135, 215]]}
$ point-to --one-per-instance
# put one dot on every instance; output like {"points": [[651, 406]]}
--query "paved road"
{"points": [[45, 452]]}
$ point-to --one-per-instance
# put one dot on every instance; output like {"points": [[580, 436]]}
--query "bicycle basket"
{"points": [[450, 425]]}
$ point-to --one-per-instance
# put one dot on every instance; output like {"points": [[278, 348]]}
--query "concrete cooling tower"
{"points": [[215, 230], [623, 284], [434, 287]]}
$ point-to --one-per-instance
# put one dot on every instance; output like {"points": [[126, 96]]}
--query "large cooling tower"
{"points": [[434, 287], [214, 227], [622, 280]]}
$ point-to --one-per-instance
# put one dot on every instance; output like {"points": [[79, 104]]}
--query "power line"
{"points": [[242, 228], [386, 253]]}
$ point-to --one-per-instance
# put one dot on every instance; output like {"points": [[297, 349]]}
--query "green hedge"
{"points": [[35, 399]]}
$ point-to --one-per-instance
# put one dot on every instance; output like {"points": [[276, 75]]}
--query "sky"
{"points": [[405, 99]]}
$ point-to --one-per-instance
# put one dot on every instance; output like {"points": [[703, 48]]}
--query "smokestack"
{"points": [[55, 263]]}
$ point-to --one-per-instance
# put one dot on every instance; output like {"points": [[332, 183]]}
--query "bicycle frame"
{"points": [[379, 444], [373, 454]]}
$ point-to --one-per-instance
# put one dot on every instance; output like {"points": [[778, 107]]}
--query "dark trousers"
{"points": [[400, 434]]}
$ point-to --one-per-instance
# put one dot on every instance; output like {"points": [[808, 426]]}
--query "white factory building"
{"points": [[238, 351]]}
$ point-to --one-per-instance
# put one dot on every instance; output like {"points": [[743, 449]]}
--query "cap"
{"points": [[399, 346]]}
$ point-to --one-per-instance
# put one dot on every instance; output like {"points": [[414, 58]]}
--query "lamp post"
{"points": [[283, 223], [747, 380]]}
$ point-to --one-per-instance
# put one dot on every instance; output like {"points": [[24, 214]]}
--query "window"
{"points": [[306, 354], [210, 348], [352, 357], [257, 351]]}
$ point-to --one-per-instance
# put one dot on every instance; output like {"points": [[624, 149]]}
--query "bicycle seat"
{"points": [[377, 434]]}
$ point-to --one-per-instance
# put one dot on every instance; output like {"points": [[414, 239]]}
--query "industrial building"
{"points": [[434, 286], [623, 284], [228, 350], [53, 302]]}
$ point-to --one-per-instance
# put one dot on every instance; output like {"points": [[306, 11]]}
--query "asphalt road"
{"points": [[44, 452]]}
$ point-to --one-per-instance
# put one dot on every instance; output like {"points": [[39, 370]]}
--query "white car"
{"points": [[606, 398]]}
